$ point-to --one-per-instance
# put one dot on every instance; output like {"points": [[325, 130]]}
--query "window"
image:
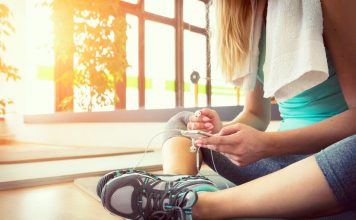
{"points": [[39, 78], [165, 41], [159, 65]]}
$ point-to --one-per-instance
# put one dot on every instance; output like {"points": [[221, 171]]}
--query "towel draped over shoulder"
{"points": [[295, 52]]}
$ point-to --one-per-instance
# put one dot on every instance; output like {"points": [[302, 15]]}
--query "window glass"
{"points": [[194, 60], [224, 94], [131, 1], [132, 59], [160, 53], [194, 12], [39, 79], [160, 7], [94, 69], [159, 65]]}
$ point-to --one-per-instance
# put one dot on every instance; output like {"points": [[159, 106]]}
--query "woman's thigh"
{"points": [[338, 164], [239, 175]]}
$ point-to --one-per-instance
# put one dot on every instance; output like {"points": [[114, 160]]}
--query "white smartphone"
{"points": [[195, 133]]}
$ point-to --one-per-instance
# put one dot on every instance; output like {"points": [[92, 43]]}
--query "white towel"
{"points": [[295, 53]]}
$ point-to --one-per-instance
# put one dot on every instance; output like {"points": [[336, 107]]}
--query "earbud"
{"points": [[197, 114], [193, 148]]}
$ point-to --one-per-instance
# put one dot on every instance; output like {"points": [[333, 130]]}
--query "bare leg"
{"points": [[177, 159], [299, 190]]}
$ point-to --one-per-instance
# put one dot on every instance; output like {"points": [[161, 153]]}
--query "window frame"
{"points": [[120, 114], [138, 10], [178, 23]]}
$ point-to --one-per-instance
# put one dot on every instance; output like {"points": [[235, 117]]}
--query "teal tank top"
{"points": [[311, 106]]}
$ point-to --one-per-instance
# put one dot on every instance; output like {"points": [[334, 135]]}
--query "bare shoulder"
{"points": [[340, 39], [340, 24]]}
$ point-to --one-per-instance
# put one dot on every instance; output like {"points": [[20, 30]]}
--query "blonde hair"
{"points": [[234, 21]]}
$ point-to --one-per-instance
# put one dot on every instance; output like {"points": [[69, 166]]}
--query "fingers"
{"points": [[198, 121], [228, 143], [215, 140], [200, 116], [235, 159], [200, 126], [209, 113], [217, 143], [218, 148], [230, 129]]}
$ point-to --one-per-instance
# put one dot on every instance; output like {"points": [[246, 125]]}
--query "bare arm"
{"points": [[340, 38], [257, 110]]}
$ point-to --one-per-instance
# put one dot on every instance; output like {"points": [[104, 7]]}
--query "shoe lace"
{"points": [[156, 207], [173, 208]]}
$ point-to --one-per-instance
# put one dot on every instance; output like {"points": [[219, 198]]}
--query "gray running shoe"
{"points": [[142, 196], [107, 177]]}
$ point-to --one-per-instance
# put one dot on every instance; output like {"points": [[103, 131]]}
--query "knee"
{"points": [[350, 144], [345, 146], [350, 140], [338, 165], [178, 122], [339, 156]]}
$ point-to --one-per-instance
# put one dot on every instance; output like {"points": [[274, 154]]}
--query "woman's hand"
{"points": [[240, 143], [206, 120]]}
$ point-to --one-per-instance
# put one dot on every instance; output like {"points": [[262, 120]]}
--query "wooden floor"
{"points": [[48, 172], [58, 201], [36, 182]]}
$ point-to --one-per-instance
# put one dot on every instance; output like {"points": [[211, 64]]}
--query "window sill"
{"points": [[227, 113]]}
